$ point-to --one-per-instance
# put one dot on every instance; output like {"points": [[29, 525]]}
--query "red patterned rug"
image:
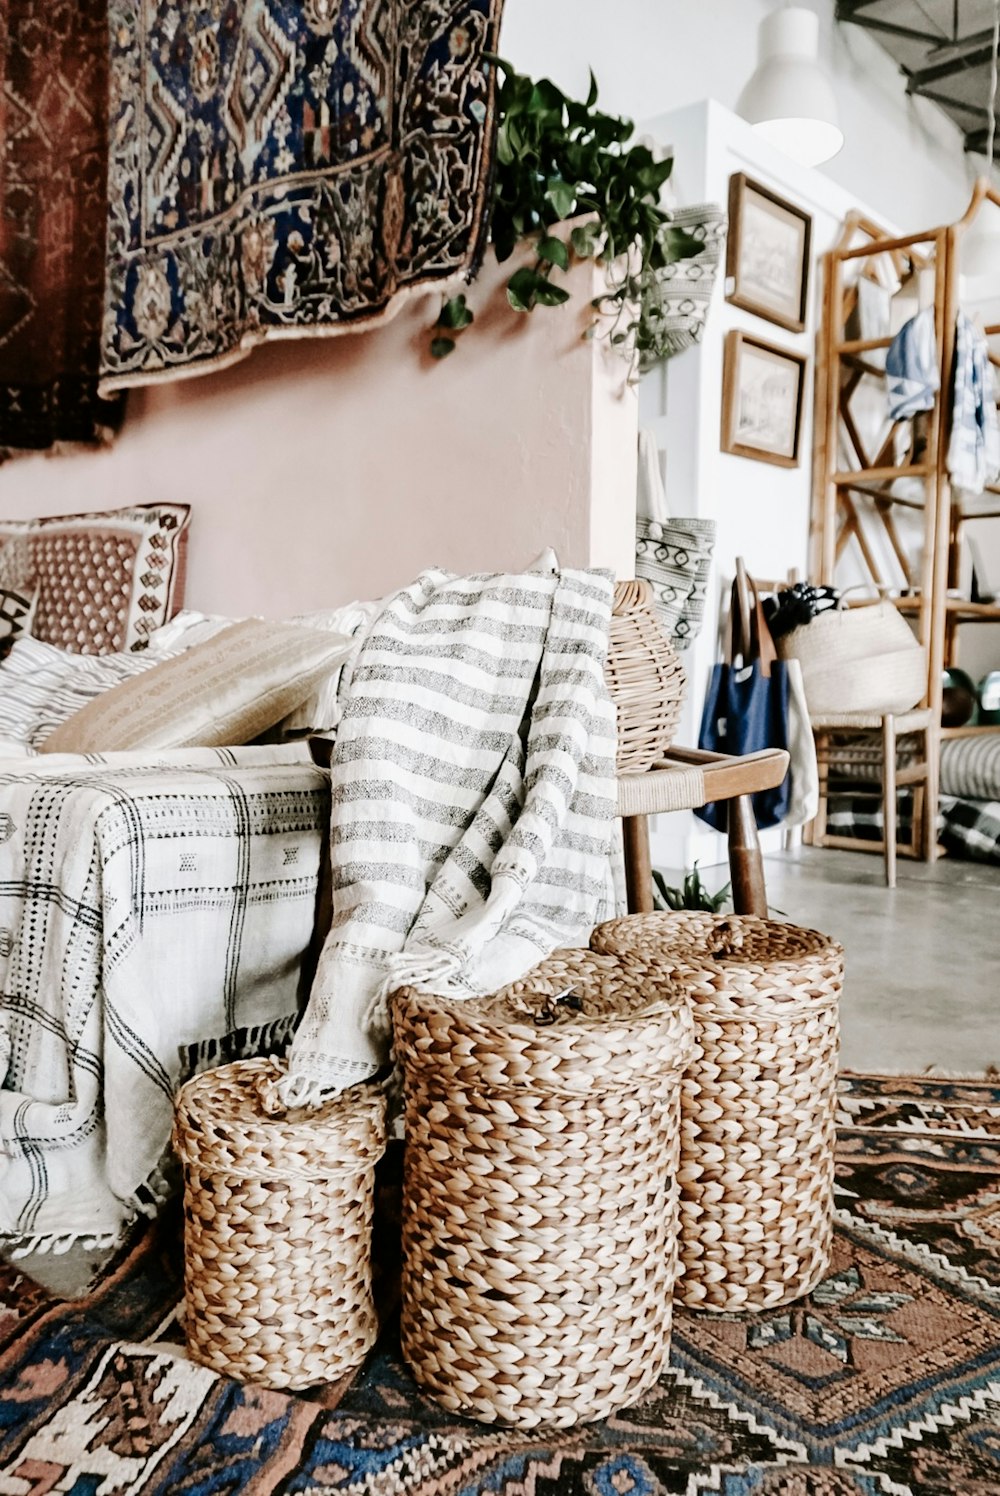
{"points": [[884, 1382]]}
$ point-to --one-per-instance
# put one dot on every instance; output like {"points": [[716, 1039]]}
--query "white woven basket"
{"points": [[862, 659]]}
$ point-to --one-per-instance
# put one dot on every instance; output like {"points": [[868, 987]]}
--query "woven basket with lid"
{"points": [[757, 1101], [277, 1227], [644, 676], [539, 1191]]}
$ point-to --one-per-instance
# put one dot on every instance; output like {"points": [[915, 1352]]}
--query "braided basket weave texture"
{"points": [[539, 1191], [757, 1101], [277, 1227], [644, 677]]}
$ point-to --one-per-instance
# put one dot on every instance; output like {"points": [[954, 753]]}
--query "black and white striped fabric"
{"points": [[474, 793], [966, 827], [970, 767], [42, 686], [154, 912]]}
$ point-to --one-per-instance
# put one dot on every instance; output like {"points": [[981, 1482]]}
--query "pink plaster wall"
{"points": [[324, 470]]}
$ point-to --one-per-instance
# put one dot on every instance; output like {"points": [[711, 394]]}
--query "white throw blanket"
{"points": [[474, 798]]}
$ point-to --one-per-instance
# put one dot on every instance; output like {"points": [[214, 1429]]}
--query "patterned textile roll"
{"points": [[757, 1100], [539, 1191]]}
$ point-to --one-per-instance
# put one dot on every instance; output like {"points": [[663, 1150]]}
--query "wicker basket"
{"points": [[645, 678], [539, 1190], [277, 1227], [757, 1129]]}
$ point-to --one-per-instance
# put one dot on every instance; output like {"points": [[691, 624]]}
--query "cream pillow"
{"points": [[218, 694]]}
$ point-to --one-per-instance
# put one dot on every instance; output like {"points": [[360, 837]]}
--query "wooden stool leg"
{"points": [[746, 866], [889, 798], [932, 745], [638, 865]]}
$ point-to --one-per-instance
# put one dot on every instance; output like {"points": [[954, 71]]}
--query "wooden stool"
{"points": [[876, 746]]}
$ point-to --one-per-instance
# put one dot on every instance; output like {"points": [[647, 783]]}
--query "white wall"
{"points": [[902, 156]]}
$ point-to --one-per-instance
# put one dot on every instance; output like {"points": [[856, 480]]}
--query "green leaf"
{"points": [[678, 244], [521, 288], [455, 314], [592, 91], [585, 239], [441, 347], [561, 196], [546, 294], [555, 251]]}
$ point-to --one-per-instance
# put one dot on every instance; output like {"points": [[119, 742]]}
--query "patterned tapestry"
{"points": [[53, 215], [285, 168]]}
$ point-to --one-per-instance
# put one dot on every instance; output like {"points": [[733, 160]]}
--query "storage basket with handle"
{"points": [[757, 1099], [858, 659], [277, 1226], [644, 677], [539, 1190]]}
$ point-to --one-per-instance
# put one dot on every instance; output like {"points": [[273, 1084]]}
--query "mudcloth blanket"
{"points": [[473, 798], [282, 168], [53, 218], [154, 912]]}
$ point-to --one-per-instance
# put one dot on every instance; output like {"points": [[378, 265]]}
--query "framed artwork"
{"points": [[762, 394], [767, 254]]}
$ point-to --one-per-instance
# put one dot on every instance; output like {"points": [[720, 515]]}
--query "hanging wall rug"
{"points": [[884, 1382], [53, 217], [287, 167]]}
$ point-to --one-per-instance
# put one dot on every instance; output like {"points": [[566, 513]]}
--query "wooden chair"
{"points": [[852, 743], [686, 779]]}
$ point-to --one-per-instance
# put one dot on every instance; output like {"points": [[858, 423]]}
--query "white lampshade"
{"points": [[789, 98], [979, 250]]}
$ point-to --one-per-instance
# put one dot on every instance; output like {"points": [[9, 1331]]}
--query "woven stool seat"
{"points": [[757, 1100], [539, 1190], [277, 1227]]}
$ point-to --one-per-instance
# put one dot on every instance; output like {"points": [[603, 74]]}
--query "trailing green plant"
{"points": [[557, 159], [691, 894]]}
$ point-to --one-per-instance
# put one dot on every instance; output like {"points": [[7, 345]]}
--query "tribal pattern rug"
{"points": [[53, 218], [884, 1382], [287, 167]]}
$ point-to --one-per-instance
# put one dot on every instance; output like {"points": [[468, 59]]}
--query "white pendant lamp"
{"points": [[980, 252], [789, 99]]}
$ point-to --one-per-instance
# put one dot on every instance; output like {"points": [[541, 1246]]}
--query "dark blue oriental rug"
{"points": [[287, 168], [883, 1382]]}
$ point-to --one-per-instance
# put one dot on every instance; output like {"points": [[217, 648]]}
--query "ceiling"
{"points": [[944, 47]]}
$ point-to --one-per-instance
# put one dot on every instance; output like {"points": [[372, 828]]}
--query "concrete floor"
{"points": [[922, 970]]}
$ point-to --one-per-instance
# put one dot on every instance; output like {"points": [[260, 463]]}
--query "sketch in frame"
{"points": [[762, 395], [767, 256]]}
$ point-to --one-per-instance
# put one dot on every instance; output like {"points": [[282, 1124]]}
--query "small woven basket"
{"points": [[277, 1227], [645, 678], [539, 1190], [757, 1101]]}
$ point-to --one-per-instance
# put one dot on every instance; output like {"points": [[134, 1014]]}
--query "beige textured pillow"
{"points": [[218, 694]]}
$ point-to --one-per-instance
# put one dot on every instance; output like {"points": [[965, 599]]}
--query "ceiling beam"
{"points": [[848, 9], [888, 28], [950, 59]]}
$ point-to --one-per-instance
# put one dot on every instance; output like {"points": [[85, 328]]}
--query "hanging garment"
{"points": [[684, 289], [673, 555], [473, 801], [53, 218], [283, 169], [911, 367], [974, 449]]}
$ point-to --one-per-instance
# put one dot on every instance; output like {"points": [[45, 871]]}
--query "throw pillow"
{"points": [[105, 581], [218, 694], [17, 612], [41, 686]]}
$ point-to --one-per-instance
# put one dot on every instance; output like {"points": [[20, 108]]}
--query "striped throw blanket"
{"points": [[474, 793]]}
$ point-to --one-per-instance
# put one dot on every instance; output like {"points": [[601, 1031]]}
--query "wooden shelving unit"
{"points": [[866, 485]]}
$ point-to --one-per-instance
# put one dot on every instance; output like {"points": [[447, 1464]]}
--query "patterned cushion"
{"points": [[17, 612], [104, 581]]}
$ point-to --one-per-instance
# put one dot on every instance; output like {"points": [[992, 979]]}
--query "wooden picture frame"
{"points": [[767, 254], [763, 391]]}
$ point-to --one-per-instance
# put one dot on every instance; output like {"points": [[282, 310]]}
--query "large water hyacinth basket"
{"points": [[757, 1101], [277, 1227], [539, 1190]]}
